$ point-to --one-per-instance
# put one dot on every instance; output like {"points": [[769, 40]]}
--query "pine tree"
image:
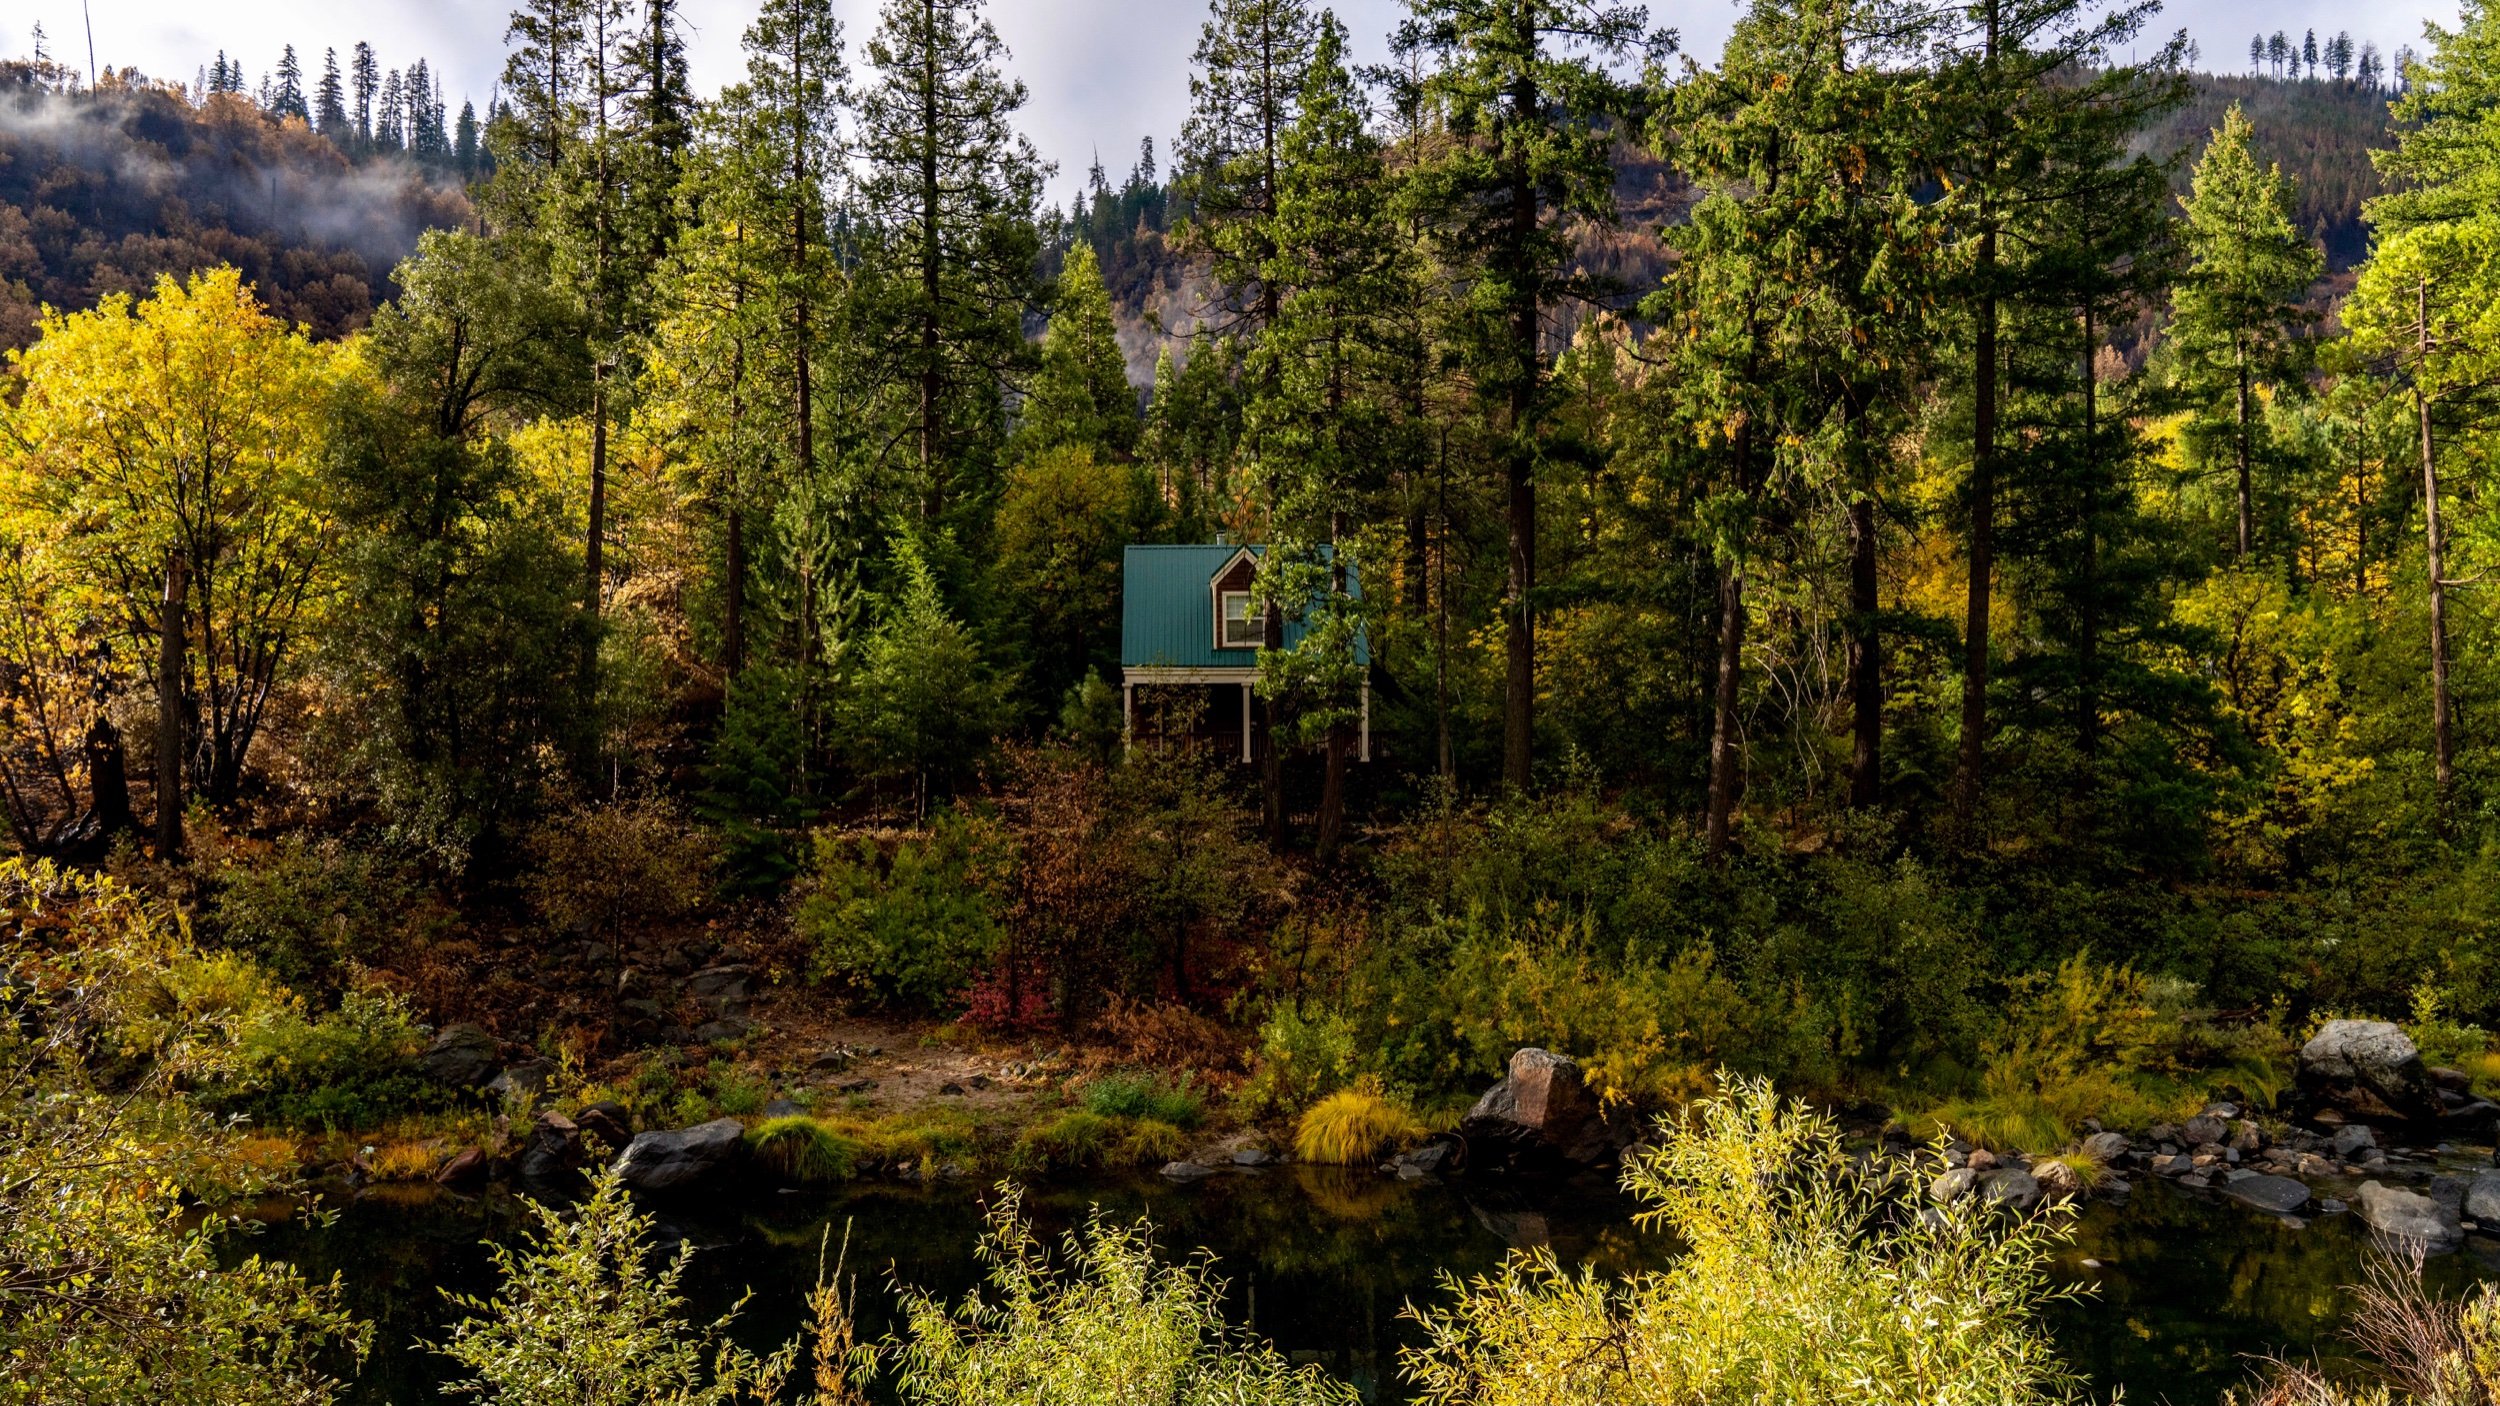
{"points": [[1528, 90], [390, 132], [2011, 68], [2237, 312], [660, 113], [1325, 400], [330, 103], [1244, 94], [951, 189], [1081, 395], [287, 96], [464, 147], [366, 76]]}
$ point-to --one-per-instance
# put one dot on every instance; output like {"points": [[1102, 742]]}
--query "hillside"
{"points": [[102, 191], [2322, 133]]}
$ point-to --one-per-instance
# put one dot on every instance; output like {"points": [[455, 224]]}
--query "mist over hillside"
{"points": [[103, 190]]}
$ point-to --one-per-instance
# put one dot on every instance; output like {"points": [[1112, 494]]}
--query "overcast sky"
{"points": [[1102, 72]]}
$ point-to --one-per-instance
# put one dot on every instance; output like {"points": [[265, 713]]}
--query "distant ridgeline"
{"points": [[104, 188]]}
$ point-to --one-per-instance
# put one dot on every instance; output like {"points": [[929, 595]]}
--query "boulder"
{"points": [[722, 1031], [1951, 1186], [2279, 1195], [467, 1166], [608, 1123], [2475, 1118], [1186, 1172], [461, 1057], [2454, 1080], [784, 1108], [2105, 1148], [527, 1079], [2202, 1129], [1430, 1159], [2482, 1198], [2366, 1069], [2353, 1139], [672, 1161], [2407, 1215], [2057, 1181], [1541, 1106], [1253, 1157], [554, 1148]]}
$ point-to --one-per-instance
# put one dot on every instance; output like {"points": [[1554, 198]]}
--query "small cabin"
{"points": [[1189, 648]]}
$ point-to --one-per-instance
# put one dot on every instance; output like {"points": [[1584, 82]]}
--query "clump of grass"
{"points": [[925, 1136], [1081, 1139], [1137, 1096], [406, 1161], [1353, 1126], [800, 1149], [2089, 1170]]}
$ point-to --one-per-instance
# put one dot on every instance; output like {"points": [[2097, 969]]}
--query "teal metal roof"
{"points": [[1167, 613]]}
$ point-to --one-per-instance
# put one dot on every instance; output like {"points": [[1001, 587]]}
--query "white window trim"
{"points": [[1223, 620]]}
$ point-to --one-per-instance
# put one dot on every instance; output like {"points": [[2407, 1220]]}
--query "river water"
{"points": [[2188, 1289]]}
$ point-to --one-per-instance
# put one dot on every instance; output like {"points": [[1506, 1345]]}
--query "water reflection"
{"points": [[1322, 1262]]}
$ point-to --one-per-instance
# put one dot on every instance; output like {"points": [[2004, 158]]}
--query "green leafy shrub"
{"points": [[583, 1312], [912, 922], [1145, 1096], [1305, 1052], [1109, 1327], [306, 909], [1809, 1279], [737, 1091]]}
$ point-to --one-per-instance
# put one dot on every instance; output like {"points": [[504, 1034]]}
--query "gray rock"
{"points": [[783, 1108], [554, 1148], [1542, 1104], [2482, 1197], [2105, 1148], [2353, 1138], [669, 1161], [727, 1028], [2407, 1215], [2279, 1195], [1253, 1157], [2012, 1188], [2202, 1129], [2329, 1206], [2247, 1137], [1186, 1172], [732, 983], [608, 1123], [2449, 1192], [461, 1057], [1429, 1159], [1952, 1185], [526, 1079], [2366, 1069]]}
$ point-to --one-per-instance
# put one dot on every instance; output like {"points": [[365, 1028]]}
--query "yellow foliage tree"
{"points": [[189, 423]]}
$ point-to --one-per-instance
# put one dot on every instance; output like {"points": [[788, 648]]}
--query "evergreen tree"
{"points": [[330, 103], [366, 76], [464, 147], [390, 132], [1528, 91], [1081, 396], [660, 112], [286, 98], [951, 190], [1244, 94], [2013, 67], [2237, 312]]}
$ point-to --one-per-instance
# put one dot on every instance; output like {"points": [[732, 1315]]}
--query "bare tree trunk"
{"points": [[2088, 630], [734, 591], [1866, 645], [2248, 511], [2443, 744], [1983, 510], [171, 652], [1723, 747]]}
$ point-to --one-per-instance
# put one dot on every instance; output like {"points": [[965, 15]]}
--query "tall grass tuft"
{"points": [[1353, 1126], [799, 1149]]}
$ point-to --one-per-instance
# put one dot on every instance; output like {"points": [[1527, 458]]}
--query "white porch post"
{"points": [[1367, 720], [1245, 722], [1128, 717]]}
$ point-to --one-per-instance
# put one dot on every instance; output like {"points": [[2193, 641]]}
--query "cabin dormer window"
{"points": [[1238, 629]]}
